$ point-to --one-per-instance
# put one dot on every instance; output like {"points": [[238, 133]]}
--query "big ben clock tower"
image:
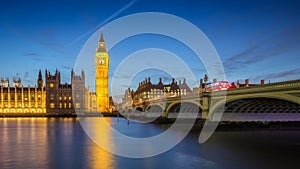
{"points": [[101, 66]]}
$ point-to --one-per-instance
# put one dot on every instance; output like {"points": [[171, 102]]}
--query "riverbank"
{"points": [[5, 115], [289, 125], [221, 126], [199, 123]]}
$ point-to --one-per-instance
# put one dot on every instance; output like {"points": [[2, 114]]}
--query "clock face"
{"points": [[101, 61]]}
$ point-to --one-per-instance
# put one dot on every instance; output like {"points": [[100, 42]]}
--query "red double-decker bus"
{"points": [[221, 85]]}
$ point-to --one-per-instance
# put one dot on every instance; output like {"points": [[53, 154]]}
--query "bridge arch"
{"points": [[281, 96], [138, 110], [187, 108], [259, 105], [184, 102], [155, 108]]}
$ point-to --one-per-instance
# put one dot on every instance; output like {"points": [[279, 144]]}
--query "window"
{"points": [[65, 105], [51, 85], [77, 105], [52, 105], [51, 96], [70, 97], [12, 96], [5, 96], [60, 105], [19, 96], [70, 105]]}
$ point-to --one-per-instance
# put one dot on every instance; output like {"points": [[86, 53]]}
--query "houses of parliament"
{"points": [[54, 97]]}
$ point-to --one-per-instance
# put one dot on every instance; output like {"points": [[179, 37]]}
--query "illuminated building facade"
{"points": [[102, 66], [20, 99], [55, 98], [60, 98], [147, 91], [91, 101]]}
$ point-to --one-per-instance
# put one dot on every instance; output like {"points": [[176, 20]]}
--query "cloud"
{"points": [[273, 46], [33, 56], [293, 74]]}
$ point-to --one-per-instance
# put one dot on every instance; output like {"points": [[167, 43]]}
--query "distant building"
{"points": [[147, 91], [127, 99], [17, 82], [4, 82], [19, 99], [91, 101]]}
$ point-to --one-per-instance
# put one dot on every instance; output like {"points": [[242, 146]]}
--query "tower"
{"points": [[40, 81], [78, 91], [101, 66]]}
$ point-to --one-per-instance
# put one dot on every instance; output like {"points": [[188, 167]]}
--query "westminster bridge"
{"points": [[269, 102]]}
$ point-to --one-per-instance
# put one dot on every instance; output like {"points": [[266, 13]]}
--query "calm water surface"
{"points": [[54, 143]]}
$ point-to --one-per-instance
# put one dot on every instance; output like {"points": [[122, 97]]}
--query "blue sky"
{"points": [[254, 39]]}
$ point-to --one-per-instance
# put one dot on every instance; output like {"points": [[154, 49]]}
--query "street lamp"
{"points": [[205, 81], [133, 108]]}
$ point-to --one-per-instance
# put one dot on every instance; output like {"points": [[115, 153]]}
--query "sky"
{"points": [[255, 39]]}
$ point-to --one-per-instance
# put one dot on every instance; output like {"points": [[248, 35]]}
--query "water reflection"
{"points": [[19, 147], [54, 143], [100, 158]]}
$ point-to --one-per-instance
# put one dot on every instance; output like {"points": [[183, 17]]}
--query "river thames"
{"points": [[54, 143]]}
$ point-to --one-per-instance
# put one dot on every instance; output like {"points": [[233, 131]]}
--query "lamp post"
{"points": [[133, 109], [205, 81]]}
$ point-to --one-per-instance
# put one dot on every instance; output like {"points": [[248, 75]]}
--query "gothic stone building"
{"points": [[64, 98]]}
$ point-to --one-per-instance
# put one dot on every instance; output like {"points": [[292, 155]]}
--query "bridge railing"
{"points": [[279, 86]]}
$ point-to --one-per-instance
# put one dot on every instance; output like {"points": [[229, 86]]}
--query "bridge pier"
{"points": [[205, 102], [204, 114]]}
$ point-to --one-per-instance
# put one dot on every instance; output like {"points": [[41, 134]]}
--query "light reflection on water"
{"points": [[53, 143], [18, 136]]}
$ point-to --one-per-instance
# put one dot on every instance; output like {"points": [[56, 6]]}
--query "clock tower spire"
{"points": [[101, 44], [101, 66]]}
